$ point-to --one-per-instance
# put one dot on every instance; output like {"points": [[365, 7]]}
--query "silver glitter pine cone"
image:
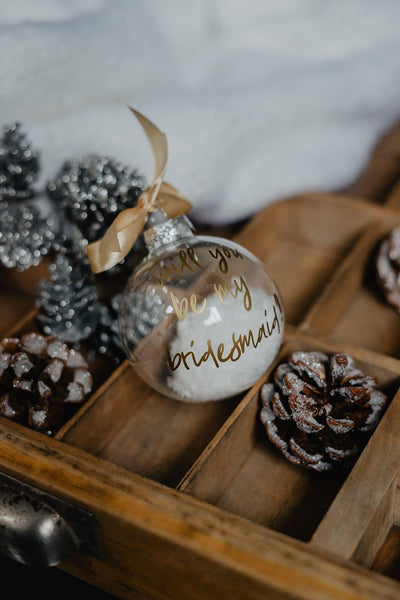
{"points": [[19, 164], [25, 236], [93, 190], [68, 303]]}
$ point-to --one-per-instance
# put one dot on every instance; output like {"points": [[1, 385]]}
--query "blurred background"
{"points": [[259, 99]]}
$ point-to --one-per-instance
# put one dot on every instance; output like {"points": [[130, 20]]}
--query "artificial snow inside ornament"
{"points": [[201, 319], [213, 320]]}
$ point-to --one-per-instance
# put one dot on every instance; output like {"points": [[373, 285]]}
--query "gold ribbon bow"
{"points": [[128, 224]]}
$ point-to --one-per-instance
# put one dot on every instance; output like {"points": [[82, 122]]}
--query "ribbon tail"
{"points": [[118, 240], [159, 147]]}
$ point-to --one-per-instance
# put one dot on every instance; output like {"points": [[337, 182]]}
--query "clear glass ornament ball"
{"points": [[201, 319]]}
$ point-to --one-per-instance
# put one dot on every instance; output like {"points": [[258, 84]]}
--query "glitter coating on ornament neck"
{"points": [[168, 232]]}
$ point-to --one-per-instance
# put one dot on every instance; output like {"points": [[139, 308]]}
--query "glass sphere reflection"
{"points": [[201, 319]]}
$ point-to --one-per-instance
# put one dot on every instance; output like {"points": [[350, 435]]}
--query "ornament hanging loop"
{"points": [[127, 226]]}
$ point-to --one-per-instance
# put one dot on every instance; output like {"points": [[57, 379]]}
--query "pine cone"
{"points": [[39, 378], [106, 339], [68, 303], [140, 313], [93, 191], [19, 164], [320, 410], [25, 236], [388, 267]]}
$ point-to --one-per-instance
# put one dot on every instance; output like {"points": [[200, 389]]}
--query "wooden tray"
{"points": [[193, 501]]}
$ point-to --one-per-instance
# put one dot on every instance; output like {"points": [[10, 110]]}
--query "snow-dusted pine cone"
{"points": [[40, 377], [388, 267], [320, 410]]}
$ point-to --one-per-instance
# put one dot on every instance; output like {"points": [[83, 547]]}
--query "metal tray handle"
{"points": [[39, 529]]}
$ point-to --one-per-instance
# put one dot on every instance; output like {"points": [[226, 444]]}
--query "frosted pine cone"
{"points": [[39, 378], [388, 267], [320, 410]]}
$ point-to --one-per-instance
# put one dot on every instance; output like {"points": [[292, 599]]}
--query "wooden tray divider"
{"points": [[363, 512], [21, 323], [352, 308], [91, 400], [143, 431], [323, 314], [304, 245], [219, 453], [393, 200], [254, 480]]}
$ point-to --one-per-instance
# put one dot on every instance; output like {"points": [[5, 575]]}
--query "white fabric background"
{"points": [[259, 99]]}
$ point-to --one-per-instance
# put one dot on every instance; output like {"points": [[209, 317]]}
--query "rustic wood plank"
{"points": [[379, 526], [302, 240], [159, 543], [350, 527], [352, 308], [25, 282], [393, 201], [382, 169], [387, 560], [143, 431], [241, 472], [13, 307]]}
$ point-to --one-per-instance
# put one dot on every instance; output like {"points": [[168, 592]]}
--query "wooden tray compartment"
{"points": [[365, 511], [232, 524], [302, 244], [14, 307], [129, 424], [254, 480], [387, 560], [352, 307]]}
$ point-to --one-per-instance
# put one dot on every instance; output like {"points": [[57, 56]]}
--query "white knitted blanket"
{"points": [[259, 99]]}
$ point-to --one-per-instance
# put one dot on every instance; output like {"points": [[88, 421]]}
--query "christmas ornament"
{"points": [[68, 303], [25, 236], [388, 268], [19, 164], [40, 380], [320, 410], [93, 190], [201, 319], [216, 315]]}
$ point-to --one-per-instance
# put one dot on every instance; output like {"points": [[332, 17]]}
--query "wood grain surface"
{"points": [[242, 521]]}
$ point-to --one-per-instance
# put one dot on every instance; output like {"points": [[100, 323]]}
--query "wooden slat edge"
{"points": [[92, 399], [208, 452], [378, 359], [393, 201], [21, 322], [322, 314], [365, 492], [121, 501]]}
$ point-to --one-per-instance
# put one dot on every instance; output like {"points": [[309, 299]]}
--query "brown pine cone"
{"points": [[320, 410], [388, 267], [40, 377]]}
